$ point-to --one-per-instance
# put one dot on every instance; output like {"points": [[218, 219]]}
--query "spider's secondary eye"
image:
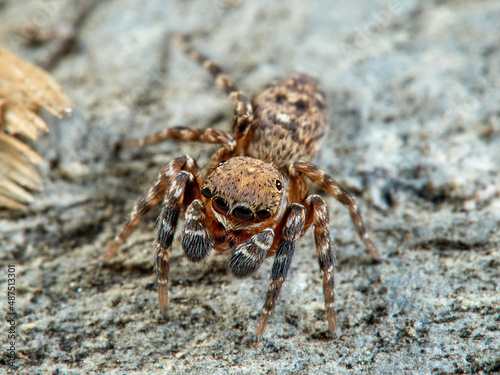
{"points": [[243, 213], [221, 162], [206, 193], [264, 214], [221, 205], [279, 186], [280, 98], [301, 105]]}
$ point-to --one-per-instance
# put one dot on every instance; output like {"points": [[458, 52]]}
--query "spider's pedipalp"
{"points": [[292, 231], [196, 239], [247, 257], [318, 213], [342, 195]]}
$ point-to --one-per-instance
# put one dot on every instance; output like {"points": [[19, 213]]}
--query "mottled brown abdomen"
{"points": [[290, 118]]}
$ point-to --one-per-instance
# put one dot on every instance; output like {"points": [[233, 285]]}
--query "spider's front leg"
{"points": [[197, 241], [178, 184], [167, 223], [317, 213], [151, 199], [342, 195], [291, 232]]}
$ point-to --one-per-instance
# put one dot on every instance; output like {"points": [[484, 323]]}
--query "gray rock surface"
{"points": [[413, 90]]}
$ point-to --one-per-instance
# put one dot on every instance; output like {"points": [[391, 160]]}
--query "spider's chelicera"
{"points": [[253, 199]]}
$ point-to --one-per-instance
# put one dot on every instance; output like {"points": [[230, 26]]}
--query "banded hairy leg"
{"points": [[292, 231], [151, 199], [242, 105], [179, 175], [317, 213], [342, 195]]}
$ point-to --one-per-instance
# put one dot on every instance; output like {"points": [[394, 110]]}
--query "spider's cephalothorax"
{"points": [[253, 200], [245, 194]]}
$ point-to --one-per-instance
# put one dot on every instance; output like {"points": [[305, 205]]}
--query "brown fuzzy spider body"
{"points": [[289, 123], [253, 200]]}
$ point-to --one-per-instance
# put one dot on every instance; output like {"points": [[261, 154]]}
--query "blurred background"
{"points": [[413, 89]]}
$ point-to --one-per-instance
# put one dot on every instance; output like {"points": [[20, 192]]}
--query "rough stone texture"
{"points": [[413, 89]]}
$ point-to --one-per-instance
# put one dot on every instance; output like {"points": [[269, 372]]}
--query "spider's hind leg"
{"points": [[242, 105]]}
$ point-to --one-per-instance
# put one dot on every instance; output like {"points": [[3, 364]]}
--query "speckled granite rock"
{"points": [[413, 90]]}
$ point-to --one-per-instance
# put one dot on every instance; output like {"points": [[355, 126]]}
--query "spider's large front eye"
{"points": [[279, 185], [220, 205], [206, 193], [264, 214], [243, 213]]}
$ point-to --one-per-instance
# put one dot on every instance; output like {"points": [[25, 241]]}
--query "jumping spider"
{"points": [[253, 200]]}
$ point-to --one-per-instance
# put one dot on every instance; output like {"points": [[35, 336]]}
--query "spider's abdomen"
{"points": [[290, 118]]}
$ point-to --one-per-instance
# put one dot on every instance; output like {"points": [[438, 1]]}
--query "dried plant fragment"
{"points": [[24, 88]]}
